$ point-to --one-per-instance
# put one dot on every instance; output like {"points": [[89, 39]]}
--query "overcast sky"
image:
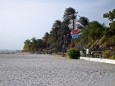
{"points": [[25, 19]]}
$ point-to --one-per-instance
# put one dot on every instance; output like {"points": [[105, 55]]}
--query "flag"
{"points": [[78, 23], [71, 21], [75, 31], [70, 26], [74, 36]]}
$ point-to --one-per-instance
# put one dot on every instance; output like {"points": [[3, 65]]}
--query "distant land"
{"points": [[4, 51]]}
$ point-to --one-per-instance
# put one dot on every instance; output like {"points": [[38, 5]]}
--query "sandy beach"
{"points": [[48, 70]]}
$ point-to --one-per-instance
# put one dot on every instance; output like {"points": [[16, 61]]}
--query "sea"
{"points": [[3, 51]]}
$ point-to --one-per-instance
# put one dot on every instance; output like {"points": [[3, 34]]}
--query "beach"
{"points": [[23, 69]]}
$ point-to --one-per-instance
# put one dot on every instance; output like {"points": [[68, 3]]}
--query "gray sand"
{"points": [[47, 70]]}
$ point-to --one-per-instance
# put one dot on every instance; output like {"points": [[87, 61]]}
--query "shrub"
{"points": [[73, 53], [107, 54], [112, 57]]}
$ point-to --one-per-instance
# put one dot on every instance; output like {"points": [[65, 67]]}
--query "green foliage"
{"points": [[112, 57], [69, 11], [73, 53], [110, 15], [107, 54], [34, 45], [84, 21], [92, 34], [27, 45], [95, 33]]}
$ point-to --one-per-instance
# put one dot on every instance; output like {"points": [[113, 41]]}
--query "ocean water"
{"points": [[2, 51]]}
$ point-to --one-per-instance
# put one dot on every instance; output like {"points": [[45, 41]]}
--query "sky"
{"points": [[25, 19]]}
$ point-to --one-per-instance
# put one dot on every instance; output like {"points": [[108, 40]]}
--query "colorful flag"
{"points": [[75, 31], [74, 36]]}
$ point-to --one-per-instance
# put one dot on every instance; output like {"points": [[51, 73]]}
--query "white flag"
{"points": [[78, 23], [70, 26]]}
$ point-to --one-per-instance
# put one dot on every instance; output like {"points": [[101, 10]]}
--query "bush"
{"points": [[107, 54], [73, 53], [112, 57]]}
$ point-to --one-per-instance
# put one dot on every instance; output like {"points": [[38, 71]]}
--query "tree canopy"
{"points": [[93, 34]]}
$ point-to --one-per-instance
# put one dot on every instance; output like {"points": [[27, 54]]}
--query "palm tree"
{"points": [[110, 15], [55, 36], [69, 12], [92, 33], [26, 47], [40, 45], [109, 36], [84, 21], [45, 39]]}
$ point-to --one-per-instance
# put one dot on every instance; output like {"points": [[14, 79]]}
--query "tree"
{"points": [[34, 44], [45, 40], [40, 45], [91, 34], [84, 21], [110, 32], [58, 36], [69, 14], [54, 37], [69, 11], [27, 47], [110, 15]]}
